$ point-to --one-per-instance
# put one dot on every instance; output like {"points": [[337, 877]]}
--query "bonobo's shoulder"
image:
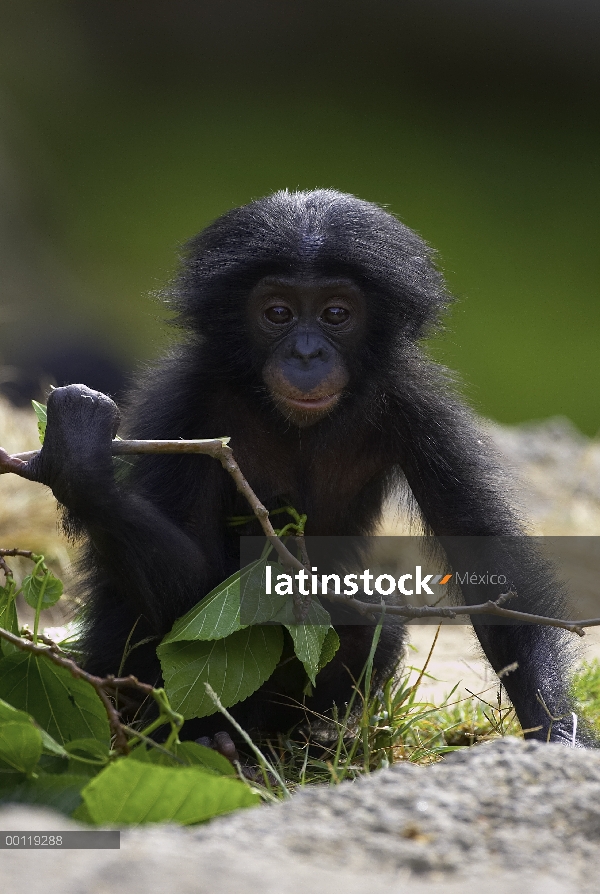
{"points": [[164, 402]]}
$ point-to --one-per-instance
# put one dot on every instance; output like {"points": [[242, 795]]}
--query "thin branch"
{"points": [[54, 647], [198, 445], [4, 566], [218, 448], [225, 456], [215, 447], [101, 684], [26, 553], [491, 607], [52, 653]]}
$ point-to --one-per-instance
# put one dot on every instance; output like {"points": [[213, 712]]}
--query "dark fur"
{"points": [[161, 542]]}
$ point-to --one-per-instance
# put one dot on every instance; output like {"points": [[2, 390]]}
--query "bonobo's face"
{"points": [[306, 327]]}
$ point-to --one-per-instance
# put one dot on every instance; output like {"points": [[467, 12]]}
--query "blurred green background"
{"points": [[129, 126]]}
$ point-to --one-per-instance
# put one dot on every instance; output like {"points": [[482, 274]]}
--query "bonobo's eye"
{"points": [[279, 314], [335, 316]]}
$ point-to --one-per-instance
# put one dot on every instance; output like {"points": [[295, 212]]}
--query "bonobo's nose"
{"points": [[306, 348]]}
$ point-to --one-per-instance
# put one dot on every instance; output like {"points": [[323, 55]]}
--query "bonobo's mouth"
{"points": [[305, 408], [312, 403]]}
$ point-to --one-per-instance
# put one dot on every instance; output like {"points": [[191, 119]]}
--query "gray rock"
{"points": [[556, 473], [505, 815]]}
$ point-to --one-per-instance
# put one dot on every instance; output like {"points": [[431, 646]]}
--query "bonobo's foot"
{"points": [[221, 742], [573, 733], [76, 457]]}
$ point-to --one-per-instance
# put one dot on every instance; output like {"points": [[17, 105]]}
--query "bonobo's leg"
{"points": [[539, 685], [542, 673], [134, 548], [457, 486]]}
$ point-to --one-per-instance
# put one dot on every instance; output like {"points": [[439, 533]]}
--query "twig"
{"points": [[215, 447], [225, 456], [26, 553], [491, 607], [96, 682], [4, 566], [54, 647], [218, 448], [101, 684]]}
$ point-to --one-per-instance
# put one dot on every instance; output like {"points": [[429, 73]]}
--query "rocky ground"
{"points": [[500, 817]]}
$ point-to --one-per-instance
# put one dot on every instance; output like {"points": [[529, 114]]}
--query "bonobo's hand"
{"points": [[76, 459]]}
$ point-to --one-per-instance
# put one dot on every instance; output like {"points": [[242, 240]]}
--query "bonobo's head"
{"points": [[302, 298], [306, 328]]}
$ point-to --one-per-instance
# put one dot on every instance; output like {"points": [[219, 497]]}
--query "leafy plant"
{"points": [[62, 742], [62, 745], [41, 590], [233, 640]]}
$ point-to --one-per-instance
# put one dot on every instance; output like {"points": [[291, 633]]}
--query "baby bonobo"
{"points": [[301, 317]]}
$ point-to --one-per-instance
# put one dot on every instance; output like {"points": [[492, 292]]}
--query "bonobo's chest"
{"points": [[339, 486]]}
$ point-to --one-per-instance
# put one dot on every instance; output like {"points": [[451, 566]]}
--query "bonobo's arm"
{"points": [[457, 485], [145, 560]]}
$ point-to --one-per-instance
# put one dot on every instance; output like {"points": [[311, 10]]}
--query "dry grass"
{"points": [[28, 513]]}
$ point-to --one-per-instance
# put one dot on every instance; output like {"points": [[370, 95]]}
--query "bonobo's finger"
{"points": [[77, 449], [223, 743], [78, 405]]}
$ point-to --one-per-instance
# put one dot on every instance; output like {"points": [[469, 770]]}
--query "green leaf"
{"points": [[330, 646], [61, 792], [191, 753], [42, 417], [86, 756], [132, 792], [67, 708], [215, 617], [8, 614], [20, 745], [235, 667], [8, 714], [309, 635], [82, 814], [238, 602], [91, 749], [308, 643], [50, 745], [198, 755], [45, 581]]}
